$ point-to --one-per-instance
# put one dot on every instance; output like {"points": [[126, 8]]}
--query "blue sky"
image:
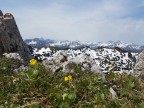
{"points": [[84, 20]]}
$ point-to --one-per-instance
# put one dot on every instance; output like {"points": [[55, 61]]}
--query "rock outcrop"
{"points": [[139, 67], [12, 55], [61, 62], [10, 38]]}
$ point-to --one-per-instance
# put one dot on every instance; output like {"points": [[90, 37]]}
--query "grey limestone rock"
{"points": [[69, 66], [12, 55], [113, 93], [60, 62], [52, 65], [139, 67], [56, 63]]}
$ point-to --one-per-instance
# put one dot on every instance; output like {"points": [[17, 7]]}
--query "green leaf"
{"points": [[142, 104], [71, 96], [102, 96], [130, 85], [64, 105]]}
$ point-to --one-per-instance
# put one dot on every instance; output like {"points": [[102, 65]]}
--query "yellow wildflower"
{"points": [[33, 62], [66, 78], [70, 77]]}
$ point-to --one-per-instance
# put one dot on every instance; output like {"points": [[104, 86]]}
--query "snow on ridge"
{"points": [[102, 57], [78, 44], [32, 42]]}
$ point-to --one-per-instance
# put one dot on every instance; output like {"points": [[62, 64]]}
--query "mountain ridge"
{"points": [[66, 44]]}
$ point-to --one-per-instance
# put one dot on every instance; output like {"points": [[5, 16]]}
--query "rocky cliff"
{"points": [[10, 37], [1, 14]]}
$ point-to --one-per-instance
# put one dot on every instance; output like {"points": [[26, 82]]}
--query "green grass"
{"points": [[37, 88]]}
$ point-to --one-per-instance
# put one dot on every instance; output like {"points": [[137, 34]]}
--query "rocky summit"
{"points": [[10, 37]]}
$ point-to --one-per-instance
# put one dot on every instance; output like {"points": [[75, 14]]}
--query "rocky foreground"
{"points": [[37, 87]]}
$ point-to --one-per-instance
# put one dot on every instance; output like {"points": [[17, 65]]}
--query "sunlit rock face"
{"points": [[10, 38], [139, 67]]}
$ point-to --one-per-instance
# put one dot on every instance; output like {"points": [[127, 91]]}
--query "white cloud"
{"points": [[103, 22]]}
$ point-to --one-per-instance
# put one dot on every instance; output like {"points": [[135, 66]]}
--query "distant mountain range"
{"points": [[40, 42]]}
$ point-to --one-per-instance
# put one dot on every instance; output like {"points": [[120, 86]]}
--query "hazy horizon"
{"points": [[82, 20]]}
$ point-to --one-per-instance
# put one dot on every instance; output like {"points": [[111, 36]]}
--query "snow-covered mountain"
{"points": [[109, 56], [40, 42]]}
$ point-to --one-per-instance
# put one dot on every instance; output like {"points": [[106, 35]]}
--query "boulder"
{"points": [[83, 58], [12, 55], [139, 67], [87, 63], [10, 38], [69, 66], [56, 63], [50, 65], [62, 62], [113, 93], [60, 58]]}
